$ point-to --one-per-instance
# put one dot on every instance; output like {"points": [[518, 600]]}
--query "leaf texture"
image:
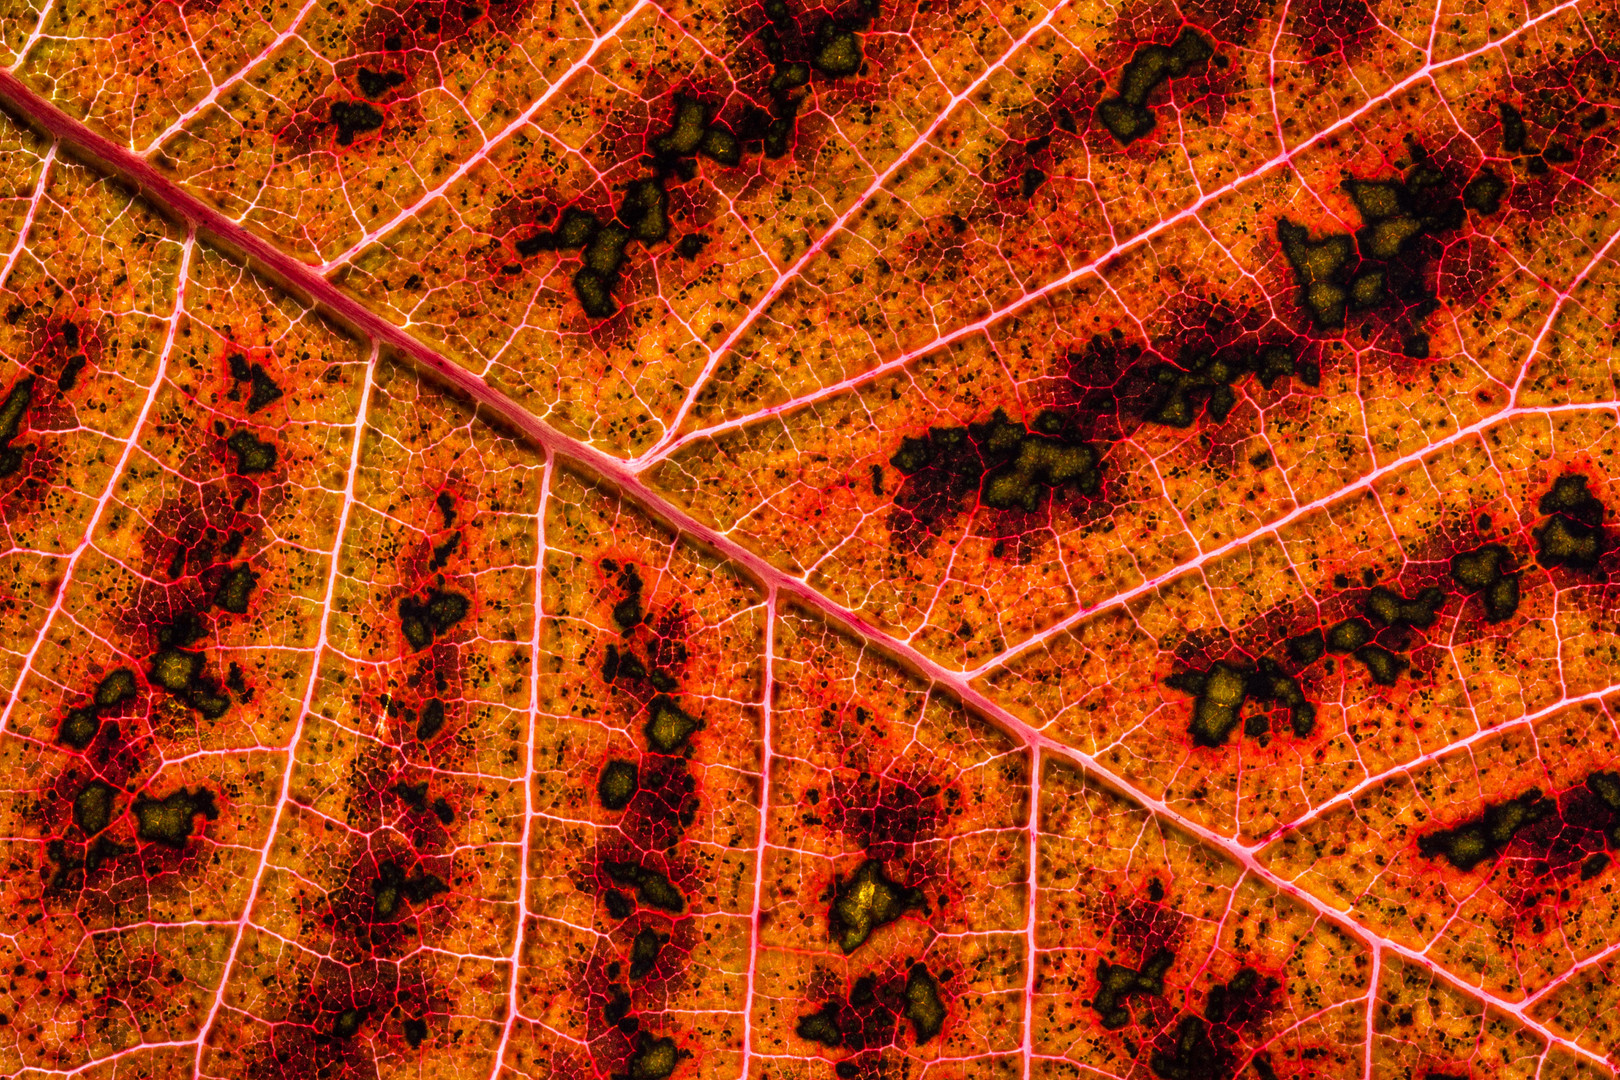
{"points": [[847, 542]]}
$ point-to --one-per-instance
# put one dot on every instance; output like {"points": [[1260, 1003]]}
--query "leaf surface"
{"points": [[829, 542]]}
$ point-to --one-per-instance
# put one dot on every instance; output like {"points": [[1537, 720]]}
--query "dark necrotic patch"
{"points": [[1467, 845], [1488, 571], [180, 672], [669, 727], [354, 119], [442, 553], [619, 906], [1221, 691], [1126, 115], [1389, 264], [79, 728], [644, 951], [425, 619], [1513, 127], [870, 1015], [236, 589], [172, 820], [1007, 465], [71, 369], [1209, 1047], [432, 721], [653, 888], [627, 613], [412, 795], [348, 1023], [376, 84], [1387, 608], [654, 1059], [868, 900], [392, 890], [1117, 984], [1384, 666], [13, 411], [93, 807], [252, 455], [1573, 534], [924, 1007], [1306, 648], [617, 785], [1320, 269], [1348, 635], [1205, 383]]}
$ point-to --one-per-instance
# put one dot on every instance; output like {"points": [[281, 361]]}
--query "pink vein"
{"points": [[674, 441], [528, 771], [285, 797], [303, 283], [767, 707]]}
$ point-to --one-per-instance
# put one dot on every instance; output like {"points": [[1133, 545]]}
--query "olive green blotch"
{"points": [[1348, 635], [868, 900], [644, 950], [170, 821], [617, 785], [252, 455], [1319, 267], [1387, 608], [93, 807], [654, 1059], [1126, 116], [652, 887], [1573, 536], [1467, 845], [423, 620], [669, 726], [236, 589], [1485, 571], [1118, 983], [115, 688], [924, 1008]]}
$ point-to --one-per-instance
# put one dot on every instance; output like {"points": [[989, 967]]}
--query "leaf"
{"points": [[841, 542]]}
